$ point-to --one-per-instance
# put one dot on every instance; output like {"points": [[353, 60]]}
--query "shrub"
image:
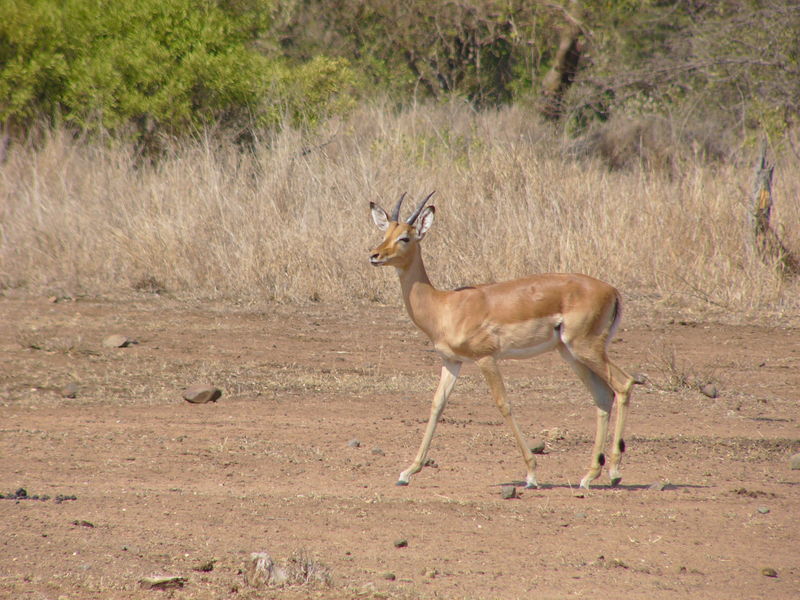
{"points": [[172, 64]]}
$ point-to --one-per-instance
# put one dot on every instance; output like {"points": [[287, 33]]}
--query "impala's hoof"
{"points": [[615, 481], [532, 486], [402, 483]]}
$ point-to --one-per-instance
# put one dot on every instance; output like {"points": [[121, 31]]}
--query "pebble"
{"points": [[401, 543], [769, 572], [763, 510], [118, 341], [794, 462], [201, 394], [709, 390], [537, 446], [508, 491], [354, 443], [162, 583], [70, 390]]}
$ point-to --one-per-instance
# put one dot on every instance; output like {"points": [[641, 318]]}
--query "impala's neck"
{"points": [[419, 295]]}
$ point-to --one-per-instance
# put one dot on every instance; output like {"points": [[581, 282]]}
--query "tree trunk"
{"points": [[565, 65], [768, 245]]}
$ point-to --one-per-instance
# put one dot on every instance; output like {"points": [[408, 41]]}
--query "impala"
{"points": [[574, 314]]}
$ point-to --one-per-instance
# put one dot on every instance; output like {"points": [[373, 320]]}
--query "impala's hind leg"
{"points": [[621, 383], [604, 399]]}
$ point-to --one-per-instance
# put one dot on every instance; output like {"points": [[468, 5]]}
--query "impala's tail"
{"points": [[616, 317]]}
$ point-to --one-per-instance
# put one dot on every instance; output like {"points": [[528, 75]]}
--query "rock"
{"points": [[658, 486], [389, 576], [261, 571], [162, 583], [401, 543], [378, 452], [709, 390], [639, 378], [69, 391], [536, 446], [794, 462], [769, 572], [118, 341], [763, 510], [201, 394], [354, 443], [206, 567], [82, 523], [508, 491]]}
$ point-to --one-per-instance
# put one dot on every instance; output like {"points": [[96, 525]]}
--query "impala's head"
{"points": [[402, 237]]}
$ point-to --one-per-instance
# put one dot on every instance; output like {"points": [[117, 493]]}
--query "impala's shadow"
{"points": [[629, 487]]}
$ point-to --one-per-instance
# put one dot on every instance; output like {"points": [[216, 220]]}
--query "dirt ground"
{"points": [[141, 483]]}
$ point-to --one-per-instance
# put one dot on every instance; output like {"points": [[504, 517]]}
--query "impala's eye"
{"points": [[405, 240]]}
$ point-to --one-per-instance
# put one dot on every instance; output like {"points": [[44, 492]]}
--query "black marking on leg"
{"points": [[601, 459], [621, 445]]}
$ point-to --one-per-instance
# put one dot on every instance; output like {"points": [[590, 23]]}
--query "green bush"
{"points": [[172, 64]]}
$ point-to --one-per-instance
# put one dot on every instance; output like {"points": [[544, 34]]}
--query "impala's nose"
{"points": [[375, 260]]}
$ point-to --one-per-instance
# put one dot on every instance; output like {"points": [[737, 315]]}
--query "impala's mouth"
{"points": [[376, 262]]}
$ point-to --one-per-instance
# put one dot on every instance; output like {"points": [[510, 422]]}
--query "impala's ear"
{"points": [[379, 216], [425, 221]]}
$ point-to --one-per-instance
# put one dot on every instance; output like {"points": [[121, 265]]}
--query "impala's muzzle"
{"points": [[376, 261]]}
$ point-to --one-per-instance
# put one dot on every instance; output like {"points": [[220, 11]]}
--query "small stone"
{"points": [[536, 446], [658, 486], [82, 523], [763, 510], [794, 462], [709, 390], [261, 571], [508, 491], [201, 394], [639, 378], [354, 443], [118, 341], [378, 452], [616, 562], [389, 576], [401, 543], [206, 567], [769, 572], [162, 583], [70, 390]]}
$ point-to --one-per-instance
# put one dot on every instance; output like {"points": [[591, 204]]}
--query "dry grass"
{"points": [[288, 224]]}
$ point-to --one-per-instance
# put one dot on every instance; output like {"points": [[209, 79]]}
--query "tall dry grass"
{"points": [[289, 221]]}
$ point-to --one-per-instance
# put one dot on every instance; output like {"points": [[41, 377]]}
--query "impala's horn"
{"points": [[396, 211], [410, 220]]}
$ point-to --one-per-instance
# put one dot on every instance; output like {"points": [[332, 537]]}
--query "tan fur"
{"points": [[572, 313]]}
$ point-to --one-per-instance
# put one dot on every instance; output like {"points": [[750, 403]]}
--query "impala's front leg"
{"points": [[450, 371]]}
